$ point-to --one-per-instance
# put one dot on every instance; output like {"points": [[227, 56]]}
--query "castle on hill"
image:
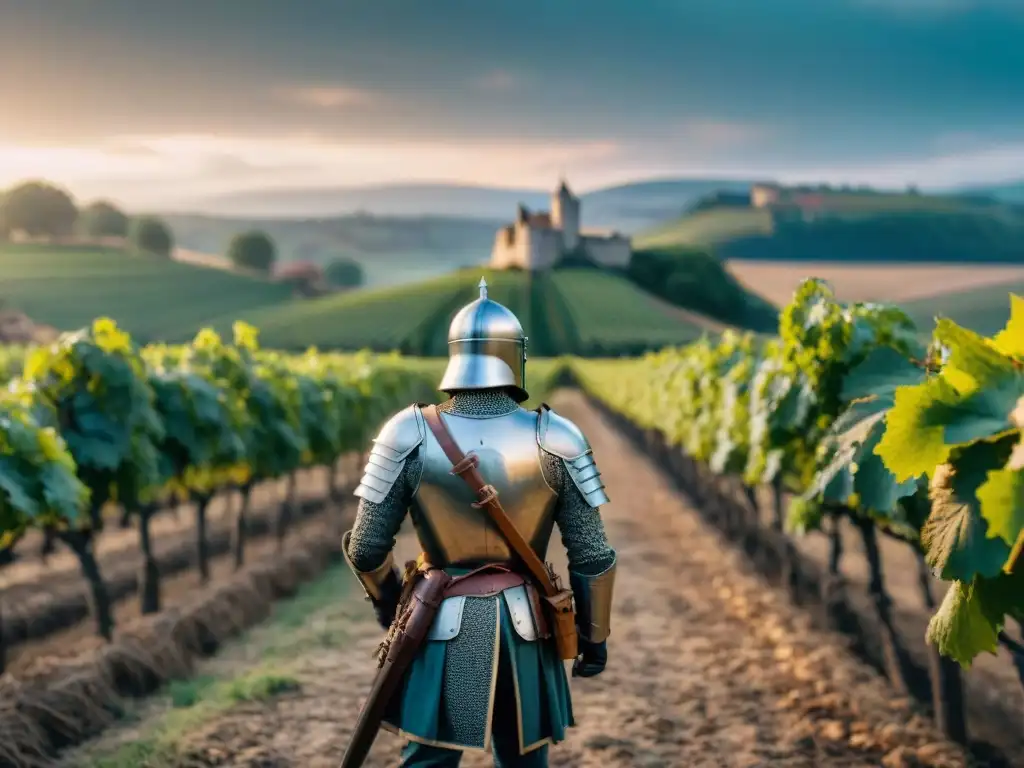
{"points": [[539, 240]]}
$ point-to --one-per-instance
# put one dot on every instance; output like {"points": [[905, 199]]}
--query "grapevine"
{"points": [[96, 424], [848, 411]]}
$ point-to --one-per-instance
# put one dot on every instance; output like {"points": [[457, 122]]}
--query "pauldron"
{"points": [[560, 437], [398, 438]]}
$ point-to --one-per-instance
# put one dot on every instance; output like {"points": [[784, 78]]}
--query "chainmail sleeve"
{"points": [[377, 525], [579, 523]]}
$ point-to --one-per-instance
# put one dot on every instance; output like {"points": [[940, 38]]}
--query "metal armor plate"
{"points": [[521, 611], [560, 437], [450, 530], [402, 433], [449, 619], [448, 623]]}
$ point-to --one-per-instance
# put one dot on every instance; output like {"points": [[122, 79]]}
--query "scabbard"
{"points": [[409, 633]]}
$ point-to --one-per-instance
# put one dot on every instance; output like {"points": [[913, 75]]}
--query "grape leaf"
{"points": [[879, 374], [858, 411], [1010, 340], [1001, 499], [874, 484], [972, 614], [973, 362], [16, 487], [960, 629], [955, 535], [913, 443], [984, 413]]}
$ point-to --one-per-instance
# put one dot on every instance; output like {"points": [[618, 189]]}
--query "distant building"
{"points": [[305, 277], [537, 241], [765, 195]]}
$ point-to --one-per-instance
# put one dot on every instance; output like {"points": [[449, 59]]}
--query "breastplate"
{"points": [[451, 531]]}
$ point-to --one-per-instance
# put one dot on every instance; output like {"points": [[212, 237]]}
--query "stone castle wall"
{"points": [[544, 250], [612, 251], [539, 241], [527, 248]]}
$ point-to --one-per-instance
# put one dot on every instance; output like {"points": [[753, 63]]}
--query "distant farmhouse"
{"points": [[538, 241]]}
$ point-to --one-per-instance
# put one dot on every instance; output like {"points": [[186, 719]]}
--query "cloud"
{"points": [[176, 170], [328, 97], [499, 80], [710, 134]]}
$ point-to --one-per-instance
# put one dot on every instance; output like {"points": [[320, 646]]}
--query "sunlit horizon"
{"points": [[191, 171]]}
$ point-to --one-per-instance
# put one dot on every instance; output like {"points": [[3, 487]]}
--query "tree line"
{"points": [[39, 209]]}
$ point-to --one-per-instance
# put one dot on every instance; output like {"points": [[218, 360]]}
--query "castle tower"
{"points": [[565, 215]]}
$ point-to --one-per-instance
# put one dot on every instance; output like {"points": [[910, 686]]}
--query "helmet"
{"points": [[486, 349]]}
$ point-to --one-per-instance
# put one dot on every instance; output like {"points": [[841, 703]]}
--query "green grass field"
{"points": [[847, 226], [581, 311], [608, 312], [566, 312], [707, 228], [411, 318], [149, 296]]}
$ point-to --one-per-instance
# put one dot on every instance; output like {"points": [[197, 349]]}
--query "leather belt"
{"points": [[483, 582]]}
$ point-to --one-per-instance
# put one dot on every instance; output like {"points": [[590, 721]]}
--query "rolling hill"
{"points": [[67, 287], [838, 225], [628, 207], [406, 233], [1007, 192], [391, 249], [572, 311]]}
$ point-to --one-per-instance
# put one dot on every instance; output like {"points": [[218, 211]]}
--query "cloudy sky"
{"points": [[159, 103]]}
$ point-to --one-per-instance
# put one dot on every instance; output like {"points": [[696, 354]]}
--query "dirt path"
{"points": [[708, 667]]}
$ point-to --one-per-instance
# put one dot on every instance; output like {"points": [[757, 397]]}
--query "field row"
{"points": [[579, 311], [97, 426]]}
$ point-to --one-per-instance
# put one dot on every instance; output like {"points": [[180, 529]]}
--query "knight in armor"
{"points": [[488, 676]]}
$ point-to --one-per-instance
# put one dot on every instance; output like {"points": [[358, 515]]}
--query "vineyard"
{"points": [[844, 434], [862, 427], [99, 434]]}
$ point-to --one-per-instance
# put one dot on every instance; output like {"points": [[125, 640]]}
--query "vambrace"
{"points": [[375, 583], [593, 597]]}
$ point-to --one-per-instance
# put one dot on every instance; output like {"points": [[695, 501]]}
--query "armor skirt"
{"points": [[447, 697]]}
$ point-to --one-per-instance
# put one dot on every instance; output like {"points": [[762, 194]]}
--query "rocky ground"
{"points": [[708, 667]]}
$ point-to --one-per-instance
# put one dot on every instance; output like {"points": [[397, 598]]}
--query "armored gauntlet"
{"points": [[593, 597], [381, 585]]}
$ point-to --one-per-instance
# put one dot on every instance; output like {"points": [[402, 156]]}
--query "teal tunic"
{"points": [[448, 696]]}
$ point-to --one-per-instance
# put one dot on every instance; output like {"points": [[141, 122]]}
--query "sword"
{"points": [[396, 653]]}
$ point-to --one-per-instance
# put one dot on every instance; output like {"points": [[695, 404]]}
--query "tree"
{"points": [[39, 209], [345, 273], [103, 219], [151, 235], [252, 250]]}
